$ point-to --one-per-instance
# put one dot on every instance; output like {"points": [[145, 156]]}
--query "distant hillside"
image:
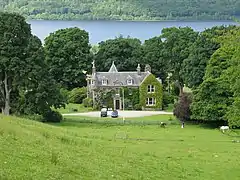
{"points": [[124, 9]]}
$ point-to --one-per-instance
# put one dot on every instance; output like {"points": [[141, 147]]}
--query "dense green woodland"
{"points": [[124, 9]]}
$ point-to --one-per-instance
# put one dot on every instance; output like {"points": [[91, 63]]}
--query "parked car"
{"points": [[103, 112], [114, 114]]}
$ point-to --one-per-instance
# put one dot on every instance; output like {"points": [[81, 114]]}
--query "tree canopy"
{"points": [[125, 52], [217, 98], [124, 10], [24, 78], [68, 54]]}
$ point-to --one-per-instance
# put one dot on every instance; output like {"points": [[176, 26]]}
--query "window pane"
{"points": [[149, 88]]}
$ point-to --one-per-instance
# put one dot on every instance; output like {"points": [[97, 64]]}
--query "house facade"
{"points": [[120, 86]]}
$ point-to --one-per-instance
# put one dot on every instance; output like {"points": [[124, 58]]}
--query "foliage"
{"points": [[68, 54], [26, 86], [125, 52], [123, 10], [153, 55], [158, 94], [168, 98], [52, 116], [131, 97], [182, 107], [177, 43], [87, 102], [77, 95], [137, 107], [65, 94], [216, 99], [200, 52]]}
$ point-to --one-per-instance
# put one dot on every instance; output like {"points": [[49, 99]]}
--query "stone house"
{"points": [[150, 88]]}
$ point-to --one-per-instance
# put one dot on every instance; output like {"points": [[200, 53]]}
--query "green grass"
{"points": [[70, 108], [147, 120], [32, 150]]}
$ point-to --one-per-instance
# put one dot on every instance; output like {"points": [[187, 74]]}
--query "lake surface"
{"points": [[103, 30]]}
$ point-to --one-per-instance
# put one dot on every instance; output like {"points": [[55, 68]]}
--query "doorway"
{"points": [[117, 104]]}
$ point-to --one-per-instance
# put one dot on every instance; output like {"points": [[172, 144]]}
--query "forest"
{"points": [[124, 9]]}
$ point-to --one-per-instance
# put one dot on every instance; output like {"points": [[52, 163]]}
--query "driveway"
{"points": [[120, 113]]}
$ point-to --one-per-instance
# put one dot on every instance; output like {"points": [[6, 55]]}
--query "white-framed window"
{"points": [[104, 82], [151, 89], [150, 101], [129, 82]]}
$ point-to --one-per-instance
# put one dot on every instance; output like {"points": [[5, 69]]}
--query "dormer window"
{"points": [[129, 82], [104, 82]]}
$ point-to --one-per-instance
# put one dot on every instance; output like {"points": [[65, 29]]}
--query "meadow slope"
{"points": [[32, 150]]}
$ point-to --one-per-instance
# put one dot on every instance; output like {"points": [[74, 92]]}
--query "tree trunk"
{"points": [[180, 90], [6, 108], [180, 86]]}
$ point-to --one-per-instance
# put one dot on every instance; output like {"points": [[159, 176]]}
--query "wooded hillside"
{"points": [[124, 9]]}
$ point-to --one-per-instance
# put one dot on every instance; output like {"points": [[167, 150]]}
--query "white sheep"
{"points": [[223, 128]]}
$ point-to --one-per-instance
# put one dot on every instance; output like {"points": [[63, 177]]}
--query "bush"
{"points": [[77, 95], [167, 99], [138, 107], [52, 116], [87, 102], [182, 107], [65, 94]]}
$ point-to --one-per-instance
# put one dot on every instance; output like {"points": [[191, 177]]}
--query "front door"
{"points": [[117, 104]]}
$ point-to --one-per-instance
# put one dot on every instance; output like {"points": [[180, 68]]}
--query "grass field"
{"points": [[32, 150]]}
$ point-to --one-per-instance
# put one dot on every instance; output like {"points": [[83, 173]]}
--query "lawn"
{"points": [[32, 150], [73, 108]]}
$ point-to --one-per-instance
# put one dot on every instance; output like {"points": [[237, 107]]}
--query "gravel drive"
{"points": [[121, 113]]}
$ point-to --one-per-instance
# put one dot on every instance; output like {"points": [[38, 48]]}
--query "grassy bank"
{"points": [[32, 150]]}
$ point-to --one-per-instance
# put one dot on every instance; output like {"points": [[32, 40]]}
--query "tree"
{"points": [[182, 107], [14, 38], [26, 86], [68, 54], [177, 43], [153, 55], [125, 52], [216, 99]]}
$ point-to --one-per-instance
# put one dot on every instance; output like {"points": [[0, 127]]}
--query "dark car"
{"points": [[104, 112], [114, 114]]}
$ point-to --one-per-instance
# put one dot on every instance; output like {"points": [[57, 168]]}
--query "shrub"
{"points": [[167, 99], [87, 102], [77, 95], [65, 94], [138, 107], [182, 107], [52, 116]]}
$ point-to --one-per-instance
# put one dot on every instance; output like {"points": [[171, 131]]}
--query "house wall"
{"points": [[158, 93]]}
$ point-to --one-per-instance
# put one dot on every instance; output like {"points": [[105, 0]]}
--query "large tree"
{"points": [[125, 52], [177, 43], [39, 91], [14, 38], [68, 54], [24, 77], [153, 55], [200, 52], [217, 98]]}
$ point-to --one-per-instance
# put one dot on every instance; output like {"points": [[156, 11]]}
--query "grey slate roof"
{"points": [[119, 78]]}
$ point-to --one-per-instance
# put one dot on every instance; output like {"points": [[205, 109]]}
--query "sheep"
{"points": [[223, 128], [163, 124]]}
